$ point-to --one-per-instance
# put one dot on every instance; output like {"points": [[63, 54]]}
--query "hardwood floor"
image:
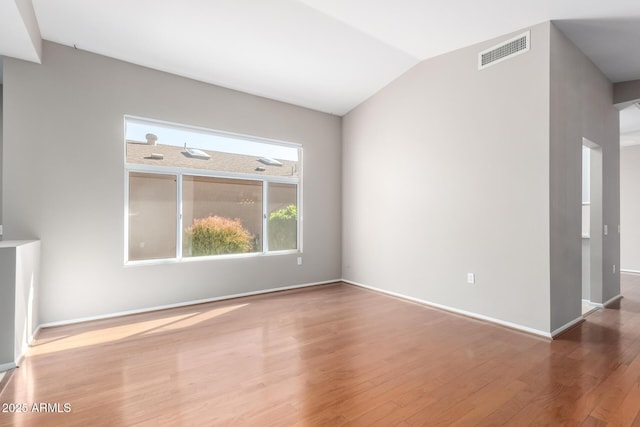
{"points": [[329, 355]]}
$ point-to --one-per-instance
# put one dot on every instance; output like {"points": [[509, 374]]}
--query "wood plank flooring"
{"points": [[329, 355]]}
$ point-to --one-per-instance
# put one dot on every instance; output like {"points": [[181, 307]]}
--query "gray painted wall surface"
{"points": [[446, 171], [64, 181], [7, 301], [1, 162], [630, 207], [581, 106]]}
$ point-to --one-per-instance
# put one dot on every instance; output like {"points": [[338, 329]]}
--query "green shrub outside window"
{"points": [[283, 225]]}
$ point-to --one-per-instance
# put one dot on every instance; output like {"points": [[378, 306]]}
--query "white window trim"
{"points": [[180, 172], [265, 217]]}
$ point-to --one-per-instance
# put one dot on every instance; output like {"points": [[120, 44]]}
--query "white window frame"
{"points": [[180, 172]]}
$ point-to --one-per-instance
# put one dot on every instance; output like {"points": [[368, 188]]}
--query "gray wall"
{"points": [[630, 208], [7, 305], [446, 171], [581, 106], [450, 170], [64, 181], [1, 150]]}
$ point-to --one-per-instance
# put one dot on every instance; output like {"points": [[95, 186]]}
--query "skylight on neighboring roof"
{"points": [[147, 141], [136, 131], [198, 154], [269, 161]]}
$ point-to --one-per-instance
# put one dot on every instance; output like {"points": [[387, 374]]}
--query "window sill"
{"points": [[210, 258]]}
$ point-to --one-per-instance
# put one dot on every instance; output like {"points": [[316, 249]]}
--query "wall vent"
{"points": [[505, 50]]}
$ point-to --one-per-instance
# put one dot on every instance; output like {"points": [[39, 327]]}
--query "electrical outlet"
{"points": [[614, 269], [606, 229], [299, 260], [471, 278]]}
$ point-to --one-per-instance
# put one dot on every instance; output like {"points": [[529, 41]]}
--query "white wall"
{"points": [[27, 282], [64, 181], [630, 207], [446, 171], [581, 107]]}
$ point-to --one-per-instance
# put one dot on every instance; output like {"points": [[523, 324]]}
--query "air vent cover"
{"points": [[505, 50]]}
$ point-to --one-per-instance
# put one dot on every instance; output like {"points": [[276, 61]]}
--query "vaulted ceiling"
{"points": [[328, 55]]}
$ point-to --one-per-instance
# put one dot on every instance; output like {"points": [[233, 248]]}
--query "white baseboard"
{"points": [[567, 326], [30, 341], [606, 303], [465, 313], [180, 304], [624, 270], [7, 366], [20, 358], [595, 304], [469, 313]]}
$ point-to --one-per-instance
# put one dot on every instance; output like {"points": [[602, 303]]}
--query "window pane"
{"points": [[283, 216], [153, 143], [221, 216], [152, 216]]}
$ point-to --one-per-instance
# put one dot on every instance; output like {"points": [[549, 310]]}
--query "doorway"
{"points": [[592, 226]]}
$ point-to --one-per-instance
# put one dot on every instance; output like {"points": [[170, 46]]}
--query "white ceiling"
{"points": [[19, 32], [328, 55]]}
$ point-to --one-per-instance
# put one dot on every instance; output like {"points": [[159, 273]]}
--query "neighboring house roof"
{"points": [[141, 153]]}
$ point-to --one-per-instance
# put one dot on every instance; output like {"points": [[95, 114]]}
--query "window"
{"points": [[283, 216], [200, 193], [152, 216], [212, 203]]}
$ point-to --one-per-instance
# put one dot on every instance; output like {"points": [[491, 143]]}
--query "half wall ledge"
{"points": [[19, 285]]}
